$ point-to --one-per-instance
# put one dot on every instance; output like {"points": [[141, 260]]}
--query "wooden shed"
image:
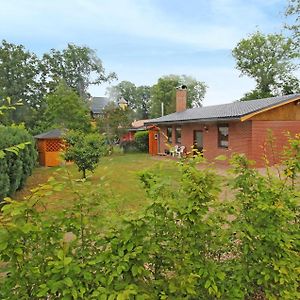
{"points": [[50, 145]]}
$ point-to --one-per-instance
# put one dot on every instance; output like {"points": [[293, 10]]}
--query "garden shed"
{"points": [[50, 145]]}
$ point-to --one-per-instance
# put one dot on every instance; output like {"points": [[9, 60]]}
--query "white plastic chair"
{"points": [[180, 151]]}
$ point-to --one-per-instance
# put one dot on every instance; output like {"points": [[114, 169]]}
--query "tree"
{"points": [[85, 150], [114, 121], [66, 109], [143, 101], [268, 59], [138, 98], [78, 66], [19, 79], [125, 89], [293, 11], [164, 91]]}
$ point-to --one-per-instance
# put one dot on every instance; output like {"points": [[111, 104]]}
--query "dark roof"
{"points": [[52, 134], [221, 112], [98, 103]]}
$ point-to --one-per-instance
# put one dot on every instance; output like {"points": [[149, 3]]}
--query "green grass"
{"points": [[116, 176]]}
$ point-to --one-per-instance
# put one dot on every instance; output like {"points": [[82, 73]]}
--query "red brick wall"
{"points": [[260, 137], [239, 140], [246, 137]]}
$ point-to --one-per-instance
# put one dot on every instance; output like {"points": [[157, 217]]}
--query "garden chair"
{"points": [[174, 150], [180, 151]]}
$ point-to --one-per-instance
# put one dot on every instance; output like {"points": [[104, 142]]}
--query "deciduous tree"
{"points": [[114, 121], [84, 150], [19, 79], [164, 91], [269, 60], [78, 66], [66, 109], [293, 12]]}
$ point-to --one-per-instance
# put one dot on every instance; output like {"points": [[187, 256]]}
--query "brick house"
{"points": [[238, 127]]}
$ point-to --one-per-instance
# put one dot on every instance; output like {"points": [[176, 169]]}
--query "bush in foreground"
{"points": [[17, 158], [187, 244]]}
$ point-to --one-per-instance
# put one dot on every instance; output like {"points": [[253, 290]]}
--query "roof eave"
{"points": [[254, 113], [196, 120]]}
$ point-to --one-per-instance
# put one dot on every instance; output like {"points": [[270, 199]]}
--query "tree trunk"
{"points": [[83, 174]]}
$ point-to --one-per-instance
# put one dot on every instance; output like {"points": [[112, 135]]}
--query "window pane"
{"points": [[223, 135], [178, 135], [169, 134]]}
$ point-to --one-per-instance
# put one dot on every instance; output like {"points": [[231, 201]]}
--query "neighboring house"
{"points": [[97, 104], [137, 125], [239, 127]]}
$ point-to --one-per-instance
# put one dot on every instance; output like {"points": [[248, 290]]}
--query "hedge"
{"points": [[142, 140], [18, 162]]}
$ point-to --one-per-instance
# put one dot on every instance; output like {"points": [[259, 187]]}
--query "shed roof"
{"points": [[230, 111], [98, 103], [52, 134]]}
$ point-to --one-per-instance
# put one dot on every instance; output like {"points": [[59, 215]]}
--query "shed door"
{"points": [[153, 142]]}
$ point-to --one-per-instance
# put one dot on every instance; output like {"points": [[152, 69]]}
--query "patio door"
{"points": [[198, 140]]}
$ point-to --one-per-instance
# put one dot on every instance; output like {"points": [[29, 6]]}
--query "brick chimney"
{"points": [[181, 97]]}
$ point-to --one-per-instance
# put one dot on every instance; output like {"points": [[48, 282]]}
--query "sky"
{"points": [[142, 40]]}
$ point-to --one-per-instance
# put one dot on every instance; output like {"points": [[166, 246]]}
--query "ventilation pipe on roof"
{"points": [[162, 109]]}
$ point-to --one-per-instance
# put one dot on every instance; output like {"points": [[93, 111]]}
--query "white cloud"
{"points": [[229, 19]]}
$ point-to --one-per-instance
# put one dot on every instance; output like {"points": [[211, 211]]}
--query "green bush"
{"points": [[184, 245], [129, 147], [142, 140], [17, 160], [85, 150]]}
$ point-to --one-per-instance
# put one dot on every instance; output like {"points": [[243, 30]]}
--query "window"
{"points": [[178, 135], [223, 135], [169, 134]]}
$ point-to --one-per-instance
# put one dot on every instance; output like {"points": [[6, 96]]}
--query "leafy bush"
{"points": [[129, 147], [17, 160], [187, 244], [85, 150], [142, 140]]}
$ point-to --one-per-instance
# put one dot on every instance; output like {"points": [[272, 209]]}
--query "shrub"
{"points": [[182, 246], [142, 140], [18, 159], [85, 150], [129, 147]]}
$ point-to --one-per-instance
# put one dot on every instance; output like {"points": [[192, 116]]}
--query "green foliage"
{"points": [[19, 79], [268, 59], [129, 147], [66, 109], [17, 158], [138, 98], [142, 140], [293, 12], [182, 246], [164, 91], [113, 122], [85, 150], [78, 66]]}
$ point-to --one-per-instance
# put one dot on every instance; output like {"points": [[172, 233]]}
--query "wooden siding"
{"points": [[288, 112]]}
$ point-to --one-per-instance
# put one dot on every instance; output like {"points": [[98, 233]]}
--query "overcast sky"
{"points": [[142, 40]]}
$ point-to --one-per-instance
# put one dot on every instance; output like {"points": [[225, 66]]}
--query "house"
{"points": [[238, 127], [97, 104], [137, 125]]}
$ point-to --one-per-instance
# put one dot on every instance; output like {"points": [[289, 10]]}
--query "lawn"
{"points": [[116, 176]]}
